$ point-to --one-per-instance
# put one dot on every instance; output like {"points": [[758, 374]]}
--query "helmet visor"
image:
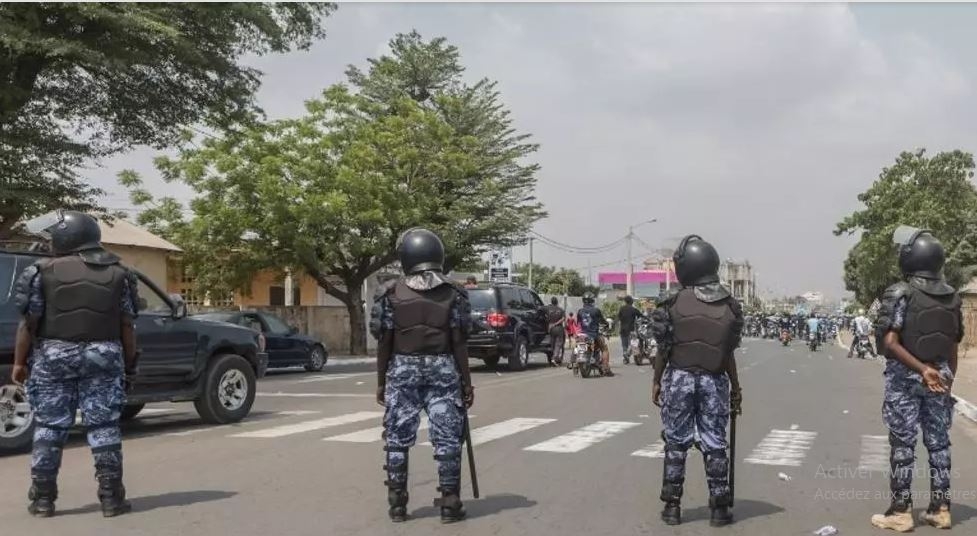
{"points": [[905, 235], [41, 225]]}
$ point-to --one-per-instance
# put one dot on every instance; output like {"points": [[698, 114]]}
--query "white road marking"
{"points": [[252, 422], [794, 426], [654, 450], [331, 377], [582, 438], [309, 426], [370, 434], [505, 428], [875, 453], [280, 394], [782, 447]]}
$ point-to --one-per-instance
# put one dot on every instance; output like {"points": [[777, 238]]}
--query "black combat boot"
{"points": [[112, 495], [672, 497], [397, 499], [42, 495], [721, 516], [451, 508], [672, 513]]}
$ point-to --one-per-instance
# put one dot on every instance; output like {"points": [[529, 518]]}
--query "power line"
{"points": [[556, 244]]}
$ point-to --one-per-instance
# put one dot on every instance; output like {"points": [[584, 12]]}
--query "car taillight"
{"points": [[261, 342], [497, 320]]}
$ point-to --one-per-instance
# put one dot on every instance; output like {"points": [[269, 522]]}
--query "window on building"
{"points": [[226, 300], [191, 297], [276, 295]]}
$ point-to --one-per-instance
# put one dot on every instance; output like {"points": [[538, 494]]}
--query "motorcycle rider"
{"points": [[919, 329], [814, 328], [591, 319], [785, 325], [556, 321], [422, 320], [696, 384], [78, 311], [627, 317], [861, 327]]}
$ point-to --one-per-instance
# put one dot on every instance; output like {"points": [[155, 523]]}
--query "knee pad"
{"points": [[396, 466], [672, 492], [717, 464]]}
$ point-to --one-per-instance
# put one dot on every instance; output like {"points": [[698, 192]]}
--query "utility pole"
{"points": [[630, 285], [530, 262]]}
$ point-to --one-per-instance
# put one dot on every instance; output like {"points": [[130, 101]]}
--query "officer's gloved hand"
{"points": [[381, 395], [469, 396], [736, 401]]}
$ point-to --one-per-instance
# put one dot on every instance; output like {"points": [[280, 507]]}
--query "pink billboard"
{"points": [[640, 278]]}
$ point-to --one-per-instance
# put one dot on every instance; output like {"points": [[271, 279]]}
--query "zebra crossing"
{"points": [[778, 447]]}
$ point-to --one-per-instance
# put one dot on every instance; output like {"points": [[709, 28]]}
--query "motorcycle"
{"points": [[813, 341], [587, 361], [863, 346], [785, 337], [643, 344]]}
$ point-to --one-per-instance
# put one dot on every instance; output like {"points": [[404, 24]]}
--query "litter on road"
{"points": [[784, 476], [827, 530]]}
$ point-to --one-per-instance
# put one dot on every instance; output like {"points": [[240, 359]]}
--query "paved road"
{"points": [[557, 455]]}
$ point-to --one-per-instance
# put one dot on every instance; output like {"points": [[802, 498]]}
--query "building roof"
{"points": [[120, 232], [970, 287]]}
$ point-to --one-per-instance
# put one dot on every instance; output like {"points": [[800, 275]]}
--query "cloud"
{"points": [[754, 125]]}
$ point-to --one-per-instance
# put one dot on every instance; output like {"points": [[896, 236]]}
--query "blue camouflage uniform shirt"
{"points": [[54, 359]]}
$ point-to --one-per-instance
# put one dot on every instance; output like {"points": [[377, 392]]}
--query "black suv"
{"points": [[213, 364], [507, 321]]}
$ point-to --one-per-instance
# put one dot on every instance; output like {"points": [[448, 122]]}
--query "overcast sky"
{"points": [[754, 126]]}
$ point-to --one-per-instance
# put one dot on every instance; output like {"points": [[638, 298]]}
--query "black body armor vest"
{"points": [[702, 333], [422, 320], [81, 300]]}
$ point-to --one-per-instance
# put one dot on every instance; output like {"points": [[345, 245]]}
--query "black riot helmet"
{"points": [[696, 262], [420, 250], [920, 253], [588, 298], [69, 231]]}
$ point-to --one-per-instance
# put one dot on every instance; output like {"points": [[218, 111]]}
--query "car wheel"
{"points": [[317, 359], [519, 359], [130, 411], [492, 361], [16, 419], [229, 390]]}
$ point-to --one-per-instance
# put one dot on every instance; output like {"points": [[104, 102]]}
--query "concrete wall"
{"points": [[969, 321], [327, 324]]}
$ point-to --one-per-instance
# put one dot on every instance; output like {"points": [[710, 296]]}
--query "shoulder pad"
{"points": [[667, 298], [22, 287], [895, 292]]}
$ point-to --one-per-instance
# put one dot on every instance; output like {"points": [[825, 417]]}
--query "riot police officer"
{"points": [[78, 309], [698, 328], [422, 321], [918, 330]]}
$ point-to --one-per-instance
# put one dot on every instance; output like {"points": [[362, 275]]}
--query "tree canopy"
{"points": [[330, 192], [935, 193], [79, 81]]}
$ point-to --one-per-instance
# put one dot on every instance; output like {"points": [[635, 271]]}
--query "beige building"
{"points": [[139, 249]]}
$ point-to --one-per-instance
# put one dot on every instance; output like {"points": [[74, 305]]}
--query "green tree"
{"points": [[935, 193], [329, 193], [79, 81]]}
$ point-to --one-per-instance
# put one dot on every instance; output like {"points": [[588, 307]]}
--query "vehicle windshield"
{"points": [[482, 300], [216, 317]]}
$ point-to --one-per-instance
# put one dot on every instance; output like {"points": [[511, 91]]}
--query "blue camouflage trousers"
{"points": [[67, 377], [430, 384], [909, 406], [694, 404]]}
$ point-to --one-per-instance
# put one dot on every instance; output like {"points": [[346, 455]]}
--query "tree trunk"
{"points": [[9, 215], [351, 299], [357, 327]]}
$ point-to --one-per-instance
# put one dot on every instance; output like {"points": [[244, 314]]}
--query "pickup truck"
{"points": [[215, 365]]}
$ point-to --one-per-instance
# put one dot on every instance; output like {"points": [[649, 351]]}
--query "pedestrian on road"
{"points": [[422, 320], [556, 320], [696, 384], [919, 330], [627, 316], [78, 310], [861, 328]]}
